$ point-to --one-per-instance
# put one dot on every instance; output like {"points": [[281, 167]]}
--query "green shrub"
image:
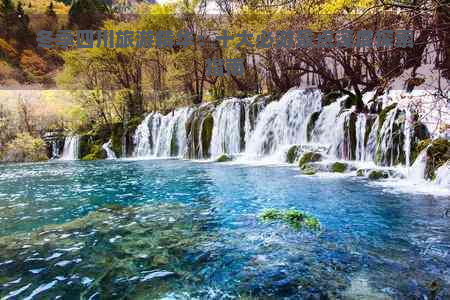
{"points": [[25, 148]]}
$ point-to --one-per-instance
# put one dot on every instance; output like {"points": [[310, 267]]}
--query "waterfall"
{"points": [[109, 152], [407, 134], [55, 150], [360, 151], [228, 130], [283, 122], [372, 141], [386, 146], [341, 145], [146, 135], [162, 136], [443, 175], [325, 131], [71, 148], [417, 171]]}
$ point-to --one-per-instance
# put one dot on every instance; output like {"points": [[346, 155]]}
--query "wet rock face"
{"points": [[199, 129], [55, 143], [377, 174], [438, 153]]}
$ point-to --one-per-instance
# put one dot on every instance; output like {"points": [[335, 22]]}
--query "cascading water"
{"points": [[443, 175], [342, 144], [228, 130], [371, 146], [146, 135], [283, 122], [71, 148], [417, 170], [109, 152], [407, 134], [360, 126], [389, 147], [162, 136], [55, 150], [325, 131]]}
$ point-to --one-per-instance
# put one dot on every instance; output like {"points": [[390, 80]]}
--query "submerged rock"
{"points": [[224, 158], [378, 174]]}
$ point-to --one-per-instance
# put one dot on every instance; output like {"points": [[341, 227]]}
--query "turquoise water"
{"points": [[180, 230]]}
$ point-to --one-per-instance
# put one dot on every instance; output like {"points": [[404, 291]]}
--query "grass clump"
{"points": [[295, 218]]}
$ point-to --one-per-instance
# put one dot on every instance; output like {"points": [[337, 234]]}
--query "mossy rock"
{"points": [[208, 124], [223, 158], [361, 172], [378, 174], [309, 157], [292, 154], [339, 167], [438, 153]]}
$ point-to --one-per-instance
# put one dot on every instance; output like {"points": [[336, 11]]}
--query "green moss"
{"points": [[312, 223], [96, 153], [383, 114], [271, 214], [338, 167], [377, 174], [311, 124], [309, 157], [295, 218], [360, 172], [116, 138], [223, 158], [292, 154], [208, 124], [438, 153]]}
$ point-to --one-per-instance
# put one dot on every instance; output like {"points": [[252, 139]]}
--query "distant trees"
{"points": [[87, 14]]}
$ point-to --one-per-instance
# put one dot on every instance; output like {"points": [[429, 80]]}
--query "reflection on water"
{"points": [[180, 230]]}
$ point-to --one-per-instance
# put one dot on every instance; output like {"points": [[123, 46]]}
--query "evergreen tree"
{"points": [[50, 11], [23, 34], [6, 18]]}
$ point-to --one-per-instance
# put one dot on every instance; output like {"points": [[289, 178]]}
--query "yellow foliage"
{"points": [[6, 50]]}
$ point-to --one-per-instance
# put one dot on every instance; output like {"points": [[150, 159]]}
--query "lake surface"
{"points": [[171, 229]]}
